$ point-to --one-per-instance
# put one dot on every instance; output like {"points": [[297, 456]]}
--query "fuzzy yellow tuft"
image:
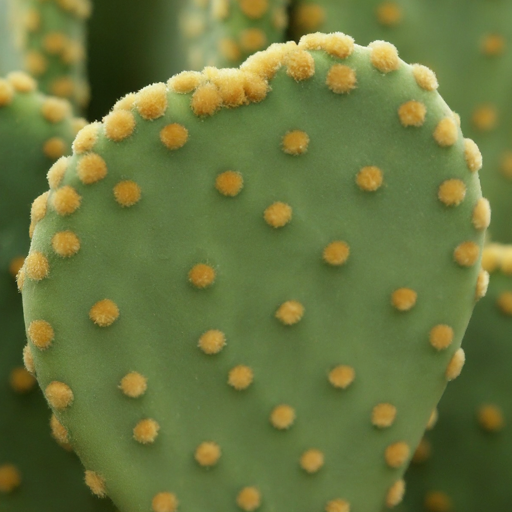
{"points": [[336, 253], [455, 365], [485, 118], [6, 93], [295, 142], [22, 82], [202, 275], [174, 136], [104, 313], [164, 502], [383, 415], [341, 79], [490, 417], [425, 77], [151, 102], [249, 499], [41, 334], [395, 494], [254, 9], [342, 376], [28, 359], [55, 110], [56, 172], [133, 384], [466, 254], [119, 125], [91, 168], [312, 460], [96, 483], [396, 454], [384, 56], [278, 215], [127, 193], [229, 183], [472, 155], [441, 336], [212, 342], [146, 431], [21, 380], [240, 377], [389, 14], [59, 395], [206, 100], [437, 501], [446, 132], [207, 454], [59, 432], [412, 113], [481, 214], [309, 17], [15, 265], [300, 65], [282, 417], [65, 244], [404, 299], [337, 505], [452, 192], [185, 82], [66, 200], [290, 312], [86, 138], [36, 266], [54, 148], [10, 478], [369, 178], [505, 303]]}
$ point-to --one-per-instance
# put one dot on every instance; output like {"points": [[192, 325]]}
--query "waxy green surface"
{"points": [[469, 465], [140, 256], [449, 37], [51, 478]]}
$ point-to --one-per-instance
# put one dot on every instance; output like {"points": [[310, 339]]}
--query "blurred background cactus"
{"points": [[90, 54]]}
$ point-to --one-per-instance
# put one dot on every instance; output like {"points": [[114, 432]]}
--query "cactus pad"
{"points": [[35, 473], [242, 274], [464, 463], [53, 44], [225, 32], [467, 44]]}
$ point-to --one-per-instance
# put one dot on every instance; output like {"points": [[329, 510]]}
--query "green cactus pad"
{"points": [[256, 282], [225, 32], [35, 473], [53, 44], [469, 466], [468, 45]]}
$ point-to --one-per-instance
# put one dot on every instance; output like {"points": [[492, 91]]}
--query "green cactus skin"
{"points": [[467, 44], [223, 33], [149, 253], [50, 479], [10, 55], [53, 45], [469, 466]]}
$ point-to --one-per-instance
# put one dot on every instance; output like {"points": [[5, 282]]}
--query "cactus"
{"points": [[464, 463], [35, 473], [207, 321], [224, 33], [52, 38], [467, 44]]}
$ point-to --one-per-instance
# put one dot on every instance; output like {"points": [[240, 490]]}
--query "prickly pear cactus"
{"points": [[10, 58], [35, 473], [465, 462], [52, 34], [242, 274], [225, 32], [467, 44]]}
